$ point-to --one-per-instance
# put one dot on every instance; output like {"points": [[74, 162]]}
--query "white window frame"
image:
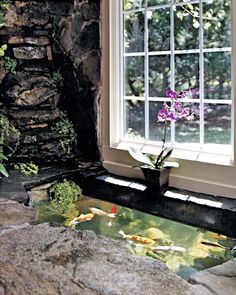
{"points": [[212, 172]]}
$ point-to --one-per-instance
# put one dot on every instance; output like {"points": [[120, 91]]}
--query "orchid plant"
{"points": [[171, 111]]}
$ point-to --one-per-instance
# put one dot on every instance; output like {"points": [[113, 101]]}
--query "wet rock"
{"points": [[86, 39], [13, 213], [89, 70], [37, 196], [220, 280], [66, 261], [29, 52], [89, 11], [41, 41]]}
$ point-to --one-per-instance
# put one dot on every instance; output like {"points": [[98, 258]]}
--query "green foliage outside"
{"points": [[217, 66], [66, 129], [27, 168], [5, 150]]}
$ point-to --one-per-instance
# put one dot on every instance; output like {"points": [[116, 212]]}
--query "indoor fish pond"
{"points": [[185, 249]]}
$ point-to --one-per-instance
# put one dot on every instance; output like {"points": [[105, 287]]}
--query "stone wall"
{"points": [[49, 39]]}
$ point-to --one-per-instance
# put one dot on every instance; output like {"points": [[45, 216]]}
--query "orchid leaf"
{"points": [[165, 153], [3, 170], [164, 157], [139, 156]]}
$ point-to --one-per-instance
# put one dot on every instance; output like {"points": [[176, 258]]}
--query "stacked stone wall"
{"points": [[48, 37]]}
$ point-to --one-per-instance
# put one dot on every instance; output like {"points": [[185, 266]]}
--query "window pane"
{"points": [[159, 75], [217, 23], [156, 129], [186, 72], [134, 76], [186, 27], [217, 75], [188, 131], [133, 4], [158, 2], [134, 32], [159, 29], [134, 119], [217, 123]]}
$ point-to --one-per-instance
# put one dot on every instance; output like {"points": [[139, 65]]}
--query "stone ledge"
{"points": [[49, 260], [220, 280]]}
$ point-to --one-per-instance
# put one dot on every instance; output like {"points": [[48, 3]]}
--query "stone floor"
{"points": [[40, 259]]}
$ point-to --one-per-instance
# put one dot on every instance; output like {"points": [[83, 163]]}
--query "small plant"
{"points": [[65, 194], [27, 168], [10, 64], [57, 78], [66, 128], [4, 4], [5, 129], [3, 48]]}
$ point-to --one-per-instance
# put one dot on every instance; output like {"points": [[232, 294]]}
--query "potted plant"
{"points": [[156, 168]]}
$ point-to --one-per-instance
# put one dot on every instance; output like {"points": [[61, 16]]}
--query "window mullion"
{"points": [[146, 75], [201, 73], [172, 61]]}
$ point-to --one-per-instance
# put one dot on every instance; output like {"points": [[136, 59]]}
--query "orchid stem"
{"points": [[164, 137]]}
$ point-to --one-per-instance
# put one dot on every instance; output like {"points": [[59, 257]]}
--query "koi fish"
{"points": [[216, 236], [168, 248], [102, 213], [112, 211], [136, 239], [212, 244], [81, 218]]}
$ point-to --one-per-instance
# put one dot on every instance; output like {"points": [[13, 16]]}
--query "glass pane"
{"points": [[187, 72], [159, 29], [134, 118], [217, 75], [188, 131], [217, 123], [158, 2], [134, 32], [134, 76], [217, 23], [133, 4], [156, 129], [159, 75], [187, 27]]}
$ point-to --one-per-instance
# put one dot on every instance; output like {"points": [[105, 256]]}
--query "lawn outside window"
{"points": [[156, 45]]}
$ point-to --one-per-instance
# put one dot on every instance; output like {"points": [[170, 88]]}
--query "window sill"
{"points": [[209, 153]]}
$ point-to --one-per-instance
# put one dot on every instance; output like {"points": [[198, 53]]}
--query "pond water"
{"points": [[189, 250]]}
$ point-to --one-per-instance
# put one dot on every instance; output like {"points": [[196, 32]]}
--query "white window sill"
{"points": [[209, 153]]}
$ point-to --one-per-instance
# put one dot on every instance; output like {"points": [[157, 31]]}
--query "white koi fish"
{"points": [[102, 213], [168, 248]]}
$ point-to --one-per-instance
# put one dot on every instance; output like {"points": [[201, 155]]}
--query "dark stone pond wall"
{"points": [[57, 49]]}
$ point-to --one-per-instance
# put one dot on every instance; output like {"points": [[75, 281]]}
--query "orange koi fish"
{"points": [[81, 218], [136, 239], [112, 211], [102, 213]]}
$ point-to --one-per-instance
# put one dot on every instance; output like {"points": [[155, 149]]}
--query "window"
{"points": [[181, 45], [156, 45]]}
